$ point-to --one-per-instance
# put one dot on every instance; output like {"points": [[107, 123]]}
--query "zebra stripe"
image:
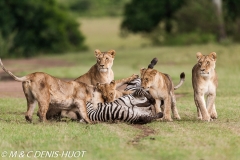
{"points": [[123, 109], [133, 85]]}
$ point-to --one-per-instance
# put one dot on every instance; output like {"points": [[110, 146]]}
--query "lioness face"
{"points": [[104, 60], [147, 77], [108, 91], [206, 63]]}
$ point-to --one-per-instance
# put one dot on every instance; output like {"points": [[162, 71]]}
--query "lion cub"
{"points": [[161, 87], [205, 82]]}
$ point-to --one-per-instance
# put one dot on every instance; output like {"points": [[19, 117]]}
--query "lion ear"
{"points": [[113, 83], [97, 52], [112, 53], [213, 55], [199, 55], [98, 85], [142, 70], [154, 72]]}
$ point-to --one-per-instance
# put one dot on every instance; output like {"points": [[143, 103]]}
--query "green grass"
{"points": [[180, 140]]}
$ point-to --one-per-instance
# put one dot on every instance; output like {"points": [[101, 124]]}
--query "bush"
{"points": [[40, 26]]}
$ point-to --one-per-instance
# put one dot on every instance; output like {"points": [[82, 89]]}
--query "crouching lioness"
{"points": [[205, 82], [47, 91]]}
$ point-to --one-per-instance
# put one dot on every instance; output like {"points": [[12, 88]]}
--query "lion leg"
{"points": [[201, 106], [199, 115], [213, 114], [127, 92], [69, 114], [174, 107], [30, 109], [31, 101], [43, 108], [211, 106], [167, 109], [123, 81], [157, 105], [82, 108]]}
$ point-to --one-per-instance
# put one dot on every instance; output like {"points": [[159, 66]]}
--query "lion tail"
{"points": [[20, 79], [182, 78]]}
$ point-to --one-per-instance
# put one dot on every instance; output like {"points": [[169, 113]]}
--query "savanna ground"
{"points": [[181, 140]]}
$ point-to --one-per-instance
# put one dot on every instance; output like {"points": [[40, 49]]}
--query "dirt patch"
{"points": [[20, 65], [11, 88], [145, 132]]}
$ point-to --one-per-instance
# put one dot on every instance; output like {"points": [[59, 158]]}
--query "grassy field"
{"points": [[185, 139]]}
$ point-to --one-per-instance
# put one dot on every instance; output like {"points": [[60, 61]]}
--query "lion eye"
{"points": [[106, 59], [99, 59], [146, 79], [200, 63], [208, 63]]}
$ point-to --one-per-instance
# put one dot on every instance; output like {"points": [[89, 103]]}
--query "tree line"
{"points": [[32, 27], [183, 21]]}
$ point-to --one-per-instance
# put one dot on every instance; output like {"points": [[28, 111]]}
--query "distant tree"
{"points": [[220, 17], [233, 8], [38, 26], [144, 16], [232, 18]]}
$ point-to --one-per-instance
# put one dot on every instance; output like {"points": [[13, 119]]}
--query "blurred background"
{"points": [[29, 28], [59, 36]]}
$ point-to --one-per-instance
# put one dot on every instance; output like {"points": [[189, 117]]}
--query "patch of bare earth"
{"points": [[145, 132], [11, 88]]}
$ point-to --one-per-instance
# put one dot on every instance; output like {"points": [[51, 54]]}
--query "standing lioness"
{"points": [[205, 82], [50, 92]]}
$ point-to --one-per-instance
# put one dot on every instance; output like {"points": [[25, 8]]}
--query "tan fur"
{"points": [[51, 92], [100, 72], [103, 93], [205, 82], [109, 91], [160, 87]]}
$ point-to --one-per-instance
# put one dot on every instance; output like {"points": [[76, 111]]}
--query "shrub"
{"points": [[41, 26]]}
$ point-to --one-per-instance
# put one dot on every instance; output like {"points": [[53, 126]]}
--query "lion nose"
{"points": [[202, 69], [101, 65]]}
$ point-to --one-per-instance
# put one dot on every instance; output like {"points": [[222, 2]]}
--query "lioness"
{"points": [[101, 72], [205, 82], [161, 87], [49, 91]]}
